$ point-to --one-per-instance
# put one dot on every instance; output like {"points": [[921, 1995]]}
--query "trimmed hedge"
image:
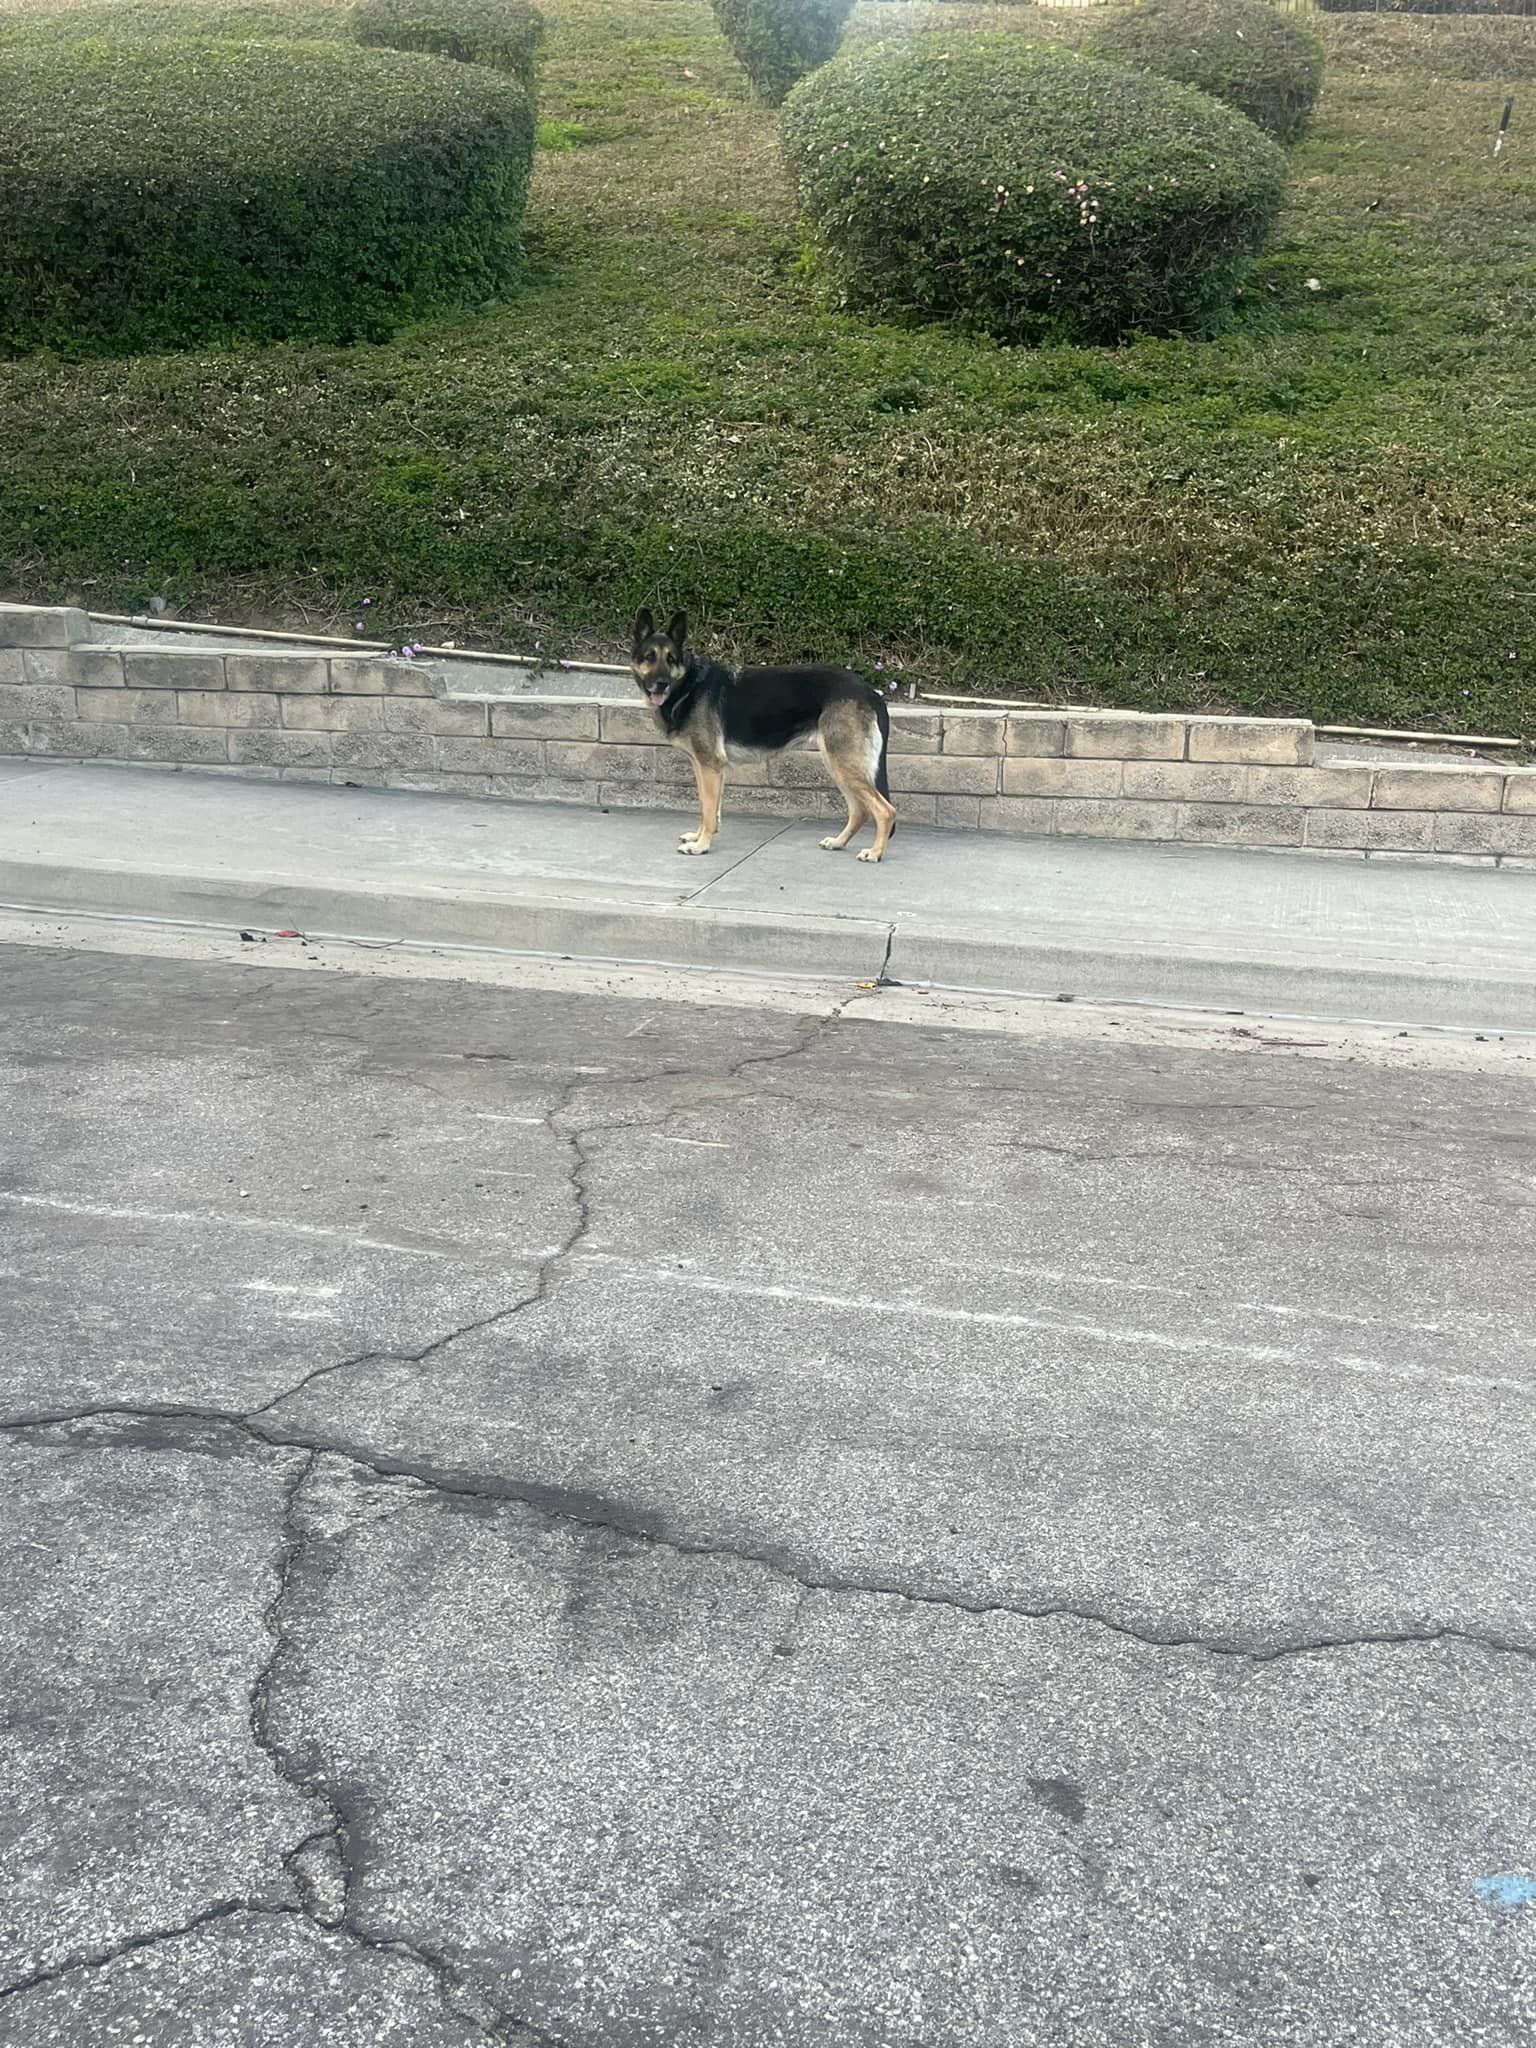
{"points": [[1239, 51], [249, 20], [1526, 7], [503, 34], [777, 42], [166, 192], [1028, 191]]}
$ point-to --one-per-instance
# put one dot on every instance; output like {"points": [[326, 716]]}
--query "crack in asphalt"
{"points": [[505, 2028], [99, 1959], [593, 1511]]}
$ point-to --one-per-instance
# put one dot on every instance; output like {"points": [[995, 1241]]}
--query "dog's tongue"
{"points": [[657, 697]]}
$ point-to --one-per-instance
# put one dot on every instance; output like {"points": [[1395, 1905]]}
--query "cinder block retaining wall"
{"points": [[67, 691]]}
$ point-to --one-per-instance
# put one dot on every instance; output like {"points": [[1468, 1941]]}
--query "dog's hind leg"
{"points": [[851, 750]]}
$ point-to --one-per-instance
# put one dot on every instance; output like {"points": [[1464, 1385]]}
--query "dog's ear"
{"points": [[677, 628], [645, 626]]}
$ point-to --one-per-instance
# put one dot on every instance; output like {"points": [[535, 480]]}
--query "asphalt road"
{"points": [[553, 1520]]}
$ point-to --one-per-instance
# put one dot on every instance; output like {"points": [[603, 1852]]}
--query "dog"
{"points": [[705, 709]]}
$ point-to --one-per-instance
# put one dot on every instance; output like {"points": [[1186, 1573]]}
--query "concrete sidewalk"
{"points": [[1393, 941]]}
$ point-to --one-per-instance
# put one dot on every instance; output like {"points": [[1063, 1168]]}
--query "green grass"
{"points": [[1328, 511]]}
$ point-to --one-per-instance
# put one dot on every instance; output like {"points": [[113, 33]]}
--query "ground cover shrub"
{"points": [[777, 42], [504, 34], [1239, 51], [167, 191], [1028, 191]]}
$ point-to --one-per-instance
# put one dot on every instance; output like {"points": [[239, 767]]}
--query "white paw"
{"points": [[693, 846], [834, 845], [869, 853]]}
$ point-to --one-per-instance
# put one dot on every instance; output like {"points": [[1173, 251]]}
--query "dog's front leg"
{"points": [[710, 778]]}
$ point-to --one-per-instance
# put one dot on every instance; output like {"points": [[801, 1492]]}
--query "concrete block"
{"points": [[751, 772], [573, 761], [974, 732], [430, 714], [1124, 736], [185, 745], [544, 718], [1116, 819], [915, 732], [1033, 814], [1262, 742], [912, 808], [797, 770], [334, 714], [219, 707], [1372, 831], [1213, 782], [1476, 832], [284, 674], [1241, 824], [545, 789], [32, 625], [173, 671], [632, 725], [1438, 789], [127, 707], [492, 757], [442, 782], [387, 752], [1338, 789], [356, 677], [101, 667], [959, 813], [41, 665], [1520, 790], [36, 700], [778, 803], [267, 749], [944, 774], [65, 740], [660, 796], [1046, 776], [1035, 733]]}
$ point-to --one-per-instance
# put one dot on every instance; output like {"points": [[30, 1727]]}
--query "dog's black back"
{"points": [[768, 708]]}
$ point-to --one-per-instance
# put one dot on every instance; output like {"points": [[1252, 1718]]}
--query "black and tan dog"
{"points": [[706, 709]]}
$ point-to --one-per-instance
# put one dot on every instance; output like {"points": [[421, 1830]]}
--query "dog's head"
{"points": [[657, 657]]}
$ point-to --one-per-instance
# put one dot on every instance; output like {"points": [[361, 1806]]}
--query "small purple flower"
{"points": [[367, 600]]}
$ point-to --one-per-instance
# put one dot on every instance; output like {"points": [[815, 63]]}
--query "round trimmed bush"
{"points": [[167, 192], [1239, 51], [777, 42], [1028, 191], [503, 34]]}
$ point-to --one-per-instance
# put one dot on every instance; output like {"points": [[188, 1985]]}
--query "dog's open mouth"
{"points": [[657, 696]]}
